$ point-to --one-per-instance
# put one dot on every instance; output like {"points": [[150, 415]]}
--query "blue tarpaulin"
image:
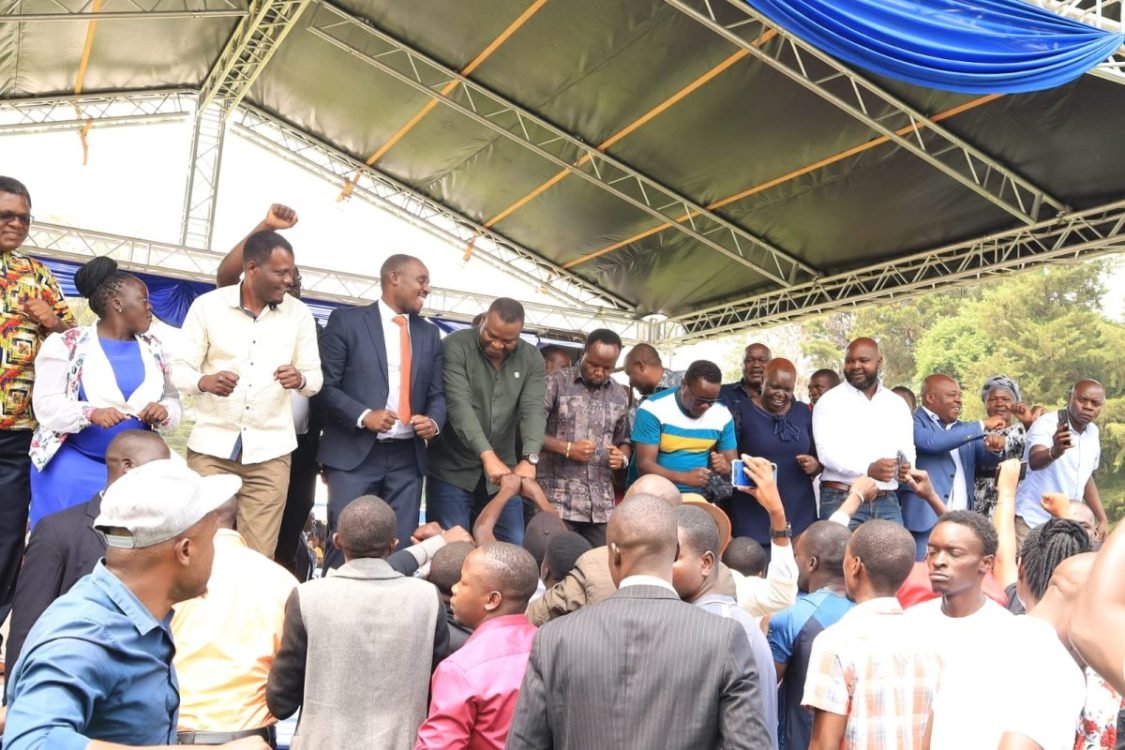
{"points": [[967, 46], [171, 298]]}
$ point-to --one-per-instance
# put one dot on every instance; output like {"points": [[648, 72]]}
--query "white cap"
{"points": [[159, 500]]}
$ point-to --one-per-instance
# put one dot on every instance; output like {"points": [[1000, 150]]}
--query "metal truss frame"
{"points": [[43, 114], [1099, 14], [204, 163], [247, 52], [884, 113], [176, 261], [117, 10], [487, 108], [331, 164], [1077, 236]]}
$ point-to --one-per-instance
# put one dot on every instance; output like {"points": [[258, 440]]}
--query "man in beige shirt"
{"points": [[243, 349]]}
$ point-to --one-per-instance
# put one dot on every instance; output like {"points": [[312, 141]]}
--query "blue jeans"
{"points": [[450, 506], [885, 508]]}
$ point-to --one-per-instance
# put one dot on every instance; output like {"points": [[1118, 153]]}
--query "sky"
{"points": [[133, 184]]}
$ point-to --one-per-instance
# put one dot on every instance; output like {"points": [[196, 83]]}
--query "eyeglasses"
{"points": [[7, 217]]}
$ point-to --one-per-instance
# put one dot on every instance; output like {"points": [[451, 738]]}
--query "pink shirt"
{"points": [[476, 688]]}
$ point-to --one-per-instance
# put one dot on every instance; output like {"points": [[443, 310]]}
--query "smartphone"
{"points": [[901, 458], [1023, 472], [740, 480]]}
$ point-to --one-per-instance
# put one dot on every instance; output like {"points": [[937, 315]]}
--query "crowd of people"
{"points": [[673, 563]]}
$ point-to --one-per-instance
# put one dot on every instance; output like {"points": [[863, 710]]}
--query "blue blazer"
{"points": [[353, 356], [933, 444]]}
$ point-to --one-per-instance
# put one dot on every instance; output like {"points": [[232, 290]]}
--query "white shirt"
{"points": [[219, 335], [1068, 473], [778, 590], [959, 493], [852, 431], [1035, 689], [391, 333], [646, 581]]}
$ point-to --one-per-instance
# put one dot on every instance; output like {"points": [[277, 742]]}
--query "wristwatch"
{"points": [[786, 533], [532, 458]]}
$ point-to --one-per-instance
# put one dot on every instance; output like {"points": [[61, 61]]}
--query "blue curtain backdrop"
{"points": [[968, 46], [171, 298]]}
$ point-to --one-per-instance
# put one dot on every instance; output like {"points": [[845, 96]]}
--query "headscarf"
{"points": [[1000, 381]]}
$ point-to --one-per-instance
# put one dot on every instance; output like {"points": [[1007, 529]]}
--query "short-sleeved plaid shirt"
{"points": [[871, 667]]}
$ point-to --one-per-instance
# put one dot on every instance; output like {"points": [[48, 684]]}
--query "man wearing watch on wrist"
{"points": [[587, 437], [1063, 452], [494, 390]]}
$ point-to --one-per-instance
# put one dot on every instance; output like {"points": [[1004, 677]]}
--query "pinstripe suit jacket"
{"points": [[640, 670]]}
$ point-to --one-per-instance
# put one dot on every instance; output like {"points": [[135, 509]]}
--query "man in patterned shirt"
{"points": [[587, 437], [33, 307], [871, 679]]}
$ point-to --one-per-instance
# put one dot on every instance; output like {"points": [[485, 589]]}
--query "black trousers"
{"points": [[15, 498], [303, 475], [390, 471]]}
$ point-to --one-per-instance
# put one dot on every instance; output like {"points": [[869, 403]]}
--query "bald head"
{"points": [[645, 354], [511, 570], [655, 486], [861, 365], [935, 381], [1087, 398], [133, 448], [366, 528], [642, 538], [942, 395]]}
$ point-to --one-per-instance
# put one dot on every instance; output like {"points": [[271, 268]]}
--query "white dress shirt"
{"points": [[852, 431], [1068, 473], [646, 581], [778, 590], [219, 335], [391, 333], [959, 493]]}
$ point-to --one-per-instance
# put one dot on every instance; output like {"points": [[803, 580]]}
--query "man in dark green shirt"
{"points": [[494, 390]]}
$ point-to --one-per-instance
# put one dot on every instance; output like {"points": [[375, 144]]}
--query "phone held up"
{"points": [[1023, 472], [740, 479]]}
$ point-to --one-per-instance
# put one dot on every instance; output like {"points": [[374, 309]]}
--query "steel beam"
{"points": [[247, 52], [336, 167], [1086, 234], [1102, 14], [177, 261], [42, 114], [201, 195], [38, 11], [365, 42], [737, 22]]}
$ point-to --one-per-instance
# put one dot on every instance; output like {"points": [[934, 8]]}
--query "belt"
{"points": [[218, 738], [845, 487]]}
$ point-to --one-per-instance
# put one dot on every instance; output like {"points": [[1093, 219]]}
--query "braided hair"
{"points": [[99, 280], [1047, 546]]}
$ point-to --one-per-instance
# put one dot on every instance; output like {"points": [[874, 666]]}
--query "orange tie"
{"points": [[404, 382]]}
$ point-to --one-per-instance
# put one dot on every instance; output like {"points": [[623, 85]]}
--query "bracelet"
{"points": [[568, 444]]}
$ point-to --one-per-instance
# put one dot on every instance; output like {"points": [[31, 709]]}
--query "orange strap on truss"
{"points": [[865, 146], [80, 79], [446, 90]]}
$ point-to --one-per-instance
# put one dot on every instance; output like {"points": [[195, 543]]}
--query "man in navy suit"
{"points": [[950, 451], [374, 440]]}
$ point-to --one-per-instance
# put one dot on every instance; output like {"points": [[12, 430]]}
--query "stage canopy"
{"points": [[670, 169]]}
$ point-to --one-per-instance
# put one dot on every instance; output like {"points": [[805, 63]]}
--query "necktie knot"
{"points": [[400, 321]]}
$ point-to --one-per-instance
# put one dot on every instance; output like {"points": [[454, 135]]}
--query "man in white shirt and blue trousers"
{"points": [[862, 429]]}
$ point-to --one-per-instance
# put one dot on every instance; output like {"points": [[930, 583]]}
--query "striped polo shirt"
{"points": [[684, 442]]}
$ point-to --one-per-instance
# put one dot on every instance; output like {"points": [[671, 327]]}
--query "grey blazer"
{"points": [[356, 655], [640, 670]]}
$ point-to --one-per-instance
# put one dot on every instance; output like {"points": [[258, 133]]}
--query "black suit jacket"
{"points": [[63, 548], [353, 356], [640, 669]]}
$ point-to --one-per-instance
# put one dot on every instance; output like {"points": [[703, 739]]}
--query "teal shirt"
{"points": [[487, 409]]}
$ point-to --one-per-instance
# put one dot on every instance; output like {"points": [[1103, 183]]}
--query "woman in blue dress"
{"points": [[778, 428], [92, 383]]}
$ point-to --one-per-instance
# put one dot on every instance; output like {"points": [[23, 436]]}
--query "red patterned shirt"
{"points": [[24, 278]]}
